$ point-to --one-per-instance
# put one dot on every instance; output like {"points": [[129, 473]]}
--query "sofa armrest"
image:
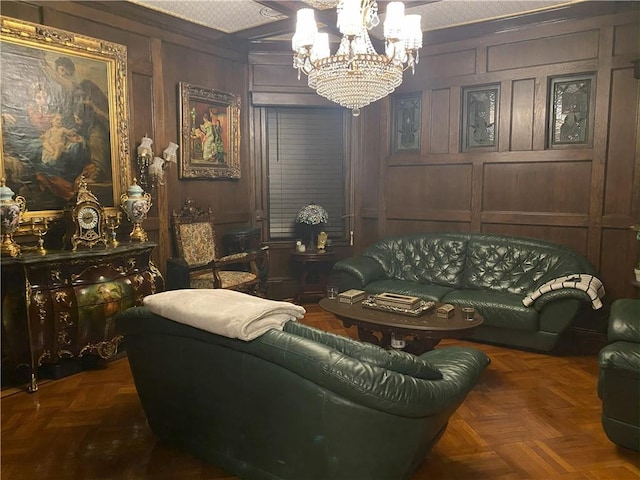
{"points": [[624, 321], [362, 268], [394, 360], [622, 355], [373, 386], [545, 299]]}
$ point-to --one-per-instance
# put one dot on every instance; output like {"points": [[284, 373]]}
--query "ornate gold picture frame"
{"points": [[210, 139], [64, 115]]}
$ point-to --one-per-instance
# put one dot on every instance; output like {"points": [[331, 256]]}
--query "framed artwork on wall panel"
{"points": [[210, 139], [570, 111], [64, 116], [480, 117], [407, 111]]}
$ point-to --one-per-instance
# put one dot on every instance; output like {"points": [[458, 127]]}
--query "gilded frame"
{"points": [[210, 133], [48, 73]]}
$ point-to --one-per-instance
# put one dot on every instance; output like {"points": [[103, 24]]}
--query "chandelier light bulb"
{"points": [[320, 47], [350, 18], [394, 20], [306, 30], [412, 34]]}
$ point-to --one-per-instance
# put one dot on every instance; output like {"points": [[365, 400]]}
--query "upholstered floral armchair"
{"points": [[198, 264]]}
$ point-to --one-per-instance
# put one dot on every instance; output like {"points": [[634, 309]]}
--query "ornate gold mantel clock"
{"points": [[86, 220]]}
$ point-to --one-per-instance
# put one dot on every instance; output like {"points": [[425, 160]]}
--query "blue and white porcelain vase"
{"points": [[136, 203], [11, 211]]}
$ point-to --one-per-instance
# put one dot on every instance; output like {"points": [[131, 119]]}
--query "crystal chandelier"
{"points": [[356, 74]]}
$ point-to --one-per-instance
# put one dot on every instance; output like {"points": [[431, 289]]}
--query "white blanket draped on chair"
{"points": [[223, 312]]}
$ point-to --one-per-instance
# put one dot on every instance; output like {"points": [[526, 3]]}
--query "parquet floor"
{"points": [[531, 416]]}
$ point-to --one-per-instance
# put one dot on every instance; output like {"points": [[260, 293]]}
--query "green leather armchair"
{"points": [[619, 376], [295, 404]]}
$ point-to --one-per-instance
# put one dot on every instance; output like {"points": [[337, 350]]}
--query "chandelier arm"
{"points": [[395, 51]]}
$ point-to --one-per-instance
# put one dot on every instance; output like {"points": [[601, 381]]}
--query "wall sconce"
{"points": [[151, 169]]}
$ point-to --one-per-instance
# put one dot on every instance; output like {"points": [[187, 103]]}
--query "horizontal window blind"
{"points": [[305, 165]]}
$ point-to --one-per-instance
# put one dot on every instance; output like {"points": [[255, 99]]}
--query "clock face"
{"points": [[88, 218]]}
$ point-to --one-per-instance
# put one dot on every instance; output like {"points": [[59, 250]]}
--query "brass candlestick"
{"points": [[113, 222], [40, 227]]}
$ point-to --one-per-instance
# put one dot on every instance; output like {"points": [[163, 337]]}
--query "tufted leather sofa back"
{"points": [[422, 258], [518, 265], [476, 260]]}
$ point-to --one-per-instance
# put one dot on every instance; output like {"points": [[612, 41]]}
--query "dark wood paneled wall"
{"points": [[585, 197]]}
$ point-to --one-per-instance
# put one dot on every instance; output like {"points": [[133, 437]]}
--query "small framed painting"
{"points": [[407, 113], [480, 117], [570, 111], [210, 133]]}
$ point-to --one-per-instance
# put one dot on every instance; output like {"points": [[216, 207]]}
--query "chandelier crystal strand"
{"points": [[356, 75]]}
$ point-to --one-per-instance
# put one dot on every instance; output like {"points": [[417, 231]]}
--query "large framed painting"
{"points": [[479, 117], [407, 123], [210, 139], [64, 116], [570, 111]]}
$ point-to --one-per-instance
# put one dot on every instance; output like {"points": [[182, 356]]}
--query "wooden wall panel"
{"points": [[573, 237], [228, 199], [522, 103], [621, 152], [582, 196], [276, 75], [427, 192], [559, 187], [407, 227], [543, 51], [368, 179], [449, 64], [626, 39], [439, 114], [618, 258]]}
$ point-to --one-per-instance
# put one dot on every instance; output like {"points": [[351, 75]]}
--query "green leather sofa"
{"points": [[294, 404], [492, 273], [619, 375]]}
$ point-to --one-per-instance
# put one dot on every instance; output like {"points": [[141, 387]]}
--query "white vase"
{"points": [[636, 271]]}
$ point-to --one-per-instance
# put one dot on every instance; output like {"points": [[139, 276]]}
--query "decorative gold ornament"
{"points": [[86, 224]]}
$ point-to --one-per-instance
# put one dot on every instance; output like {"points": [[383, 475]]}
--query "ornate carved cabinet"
{"points": [[63, 305]]}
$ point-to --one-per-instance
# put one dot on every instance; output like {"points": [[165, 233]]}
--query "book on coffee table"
{"points": [[352, 296]]}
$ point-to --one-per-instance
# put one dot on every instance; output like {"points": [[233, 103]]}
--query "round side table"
{"points": [[312, 269]]}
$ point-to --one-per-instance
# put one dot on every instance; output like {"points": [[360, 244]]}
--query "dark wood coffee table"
{"points": [[420, 334]]}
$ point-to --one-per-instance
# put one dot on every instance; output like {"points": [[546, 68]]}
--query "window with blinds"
{"points": [[305, 165]]}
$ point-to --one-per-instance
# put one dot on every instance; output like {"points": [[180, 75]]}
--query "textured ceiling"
{"points": [[234, 16]]}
